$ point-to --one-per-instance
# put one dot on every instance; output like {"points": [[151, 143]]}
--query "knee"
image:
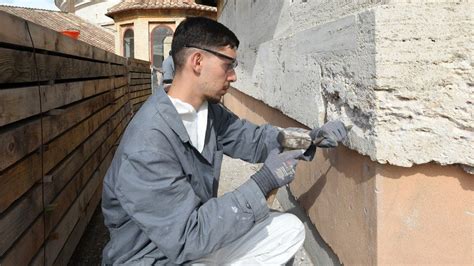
{"points": [[297, 226], [292, 225]]}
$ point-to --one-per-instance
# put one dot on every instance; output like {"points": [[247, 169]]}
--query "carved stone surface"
{"points": [[400, 72]]}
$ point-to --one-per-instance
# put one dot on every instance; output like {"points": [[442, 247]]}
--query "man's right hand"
{"points": [[278, 170]]}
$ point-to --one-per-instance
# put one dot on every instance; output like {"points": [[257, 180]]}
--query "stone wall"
{"points": [[400, 72], [376, 214]]}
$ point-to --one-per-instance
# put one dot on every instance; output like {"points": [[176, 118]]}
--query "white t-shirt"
{"points": [[194, 122]]}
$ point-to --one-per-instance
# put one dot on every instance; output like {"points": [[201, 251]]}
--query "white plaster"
{"points": [[91, 10], [95, 12], [372, 64]]}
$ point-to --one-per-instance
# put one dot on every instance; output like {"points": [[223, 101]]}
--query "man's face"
{"points": [[218, 72]]}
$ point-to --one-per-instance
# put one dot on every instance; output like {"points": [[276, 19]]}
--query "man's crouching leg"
{"points": [[275, 240]]}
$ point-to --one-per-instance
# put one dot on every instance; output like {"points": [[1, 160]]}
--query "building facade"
{"points": [[91, 10], [143, 28]]}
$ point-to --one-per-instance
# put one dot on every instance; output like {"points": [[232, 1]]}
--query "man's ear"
{"points": [[196, 62]]}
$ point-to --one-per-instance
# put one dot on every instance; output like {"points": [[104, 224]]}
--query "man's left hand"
{"points": [[329, 134]]}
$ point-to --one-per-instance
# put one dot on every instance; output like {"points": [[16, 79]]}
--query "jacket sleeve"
{"points": [[159, 198], [243, 139]]}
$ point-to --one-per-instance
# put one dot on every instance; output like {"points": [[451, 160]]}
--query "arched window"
{"points": [[160, 47], [128, 44]]}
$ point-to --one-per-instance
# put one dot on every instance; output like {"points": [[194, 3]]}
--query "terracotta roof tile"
{"points": [[59, 21], [158, 4]]}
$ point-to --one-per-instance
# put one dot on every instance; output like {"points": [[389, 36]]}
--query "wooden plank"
{"points": [[28, 244], [58, 238], [18, 141], [139, 70], [139, 99], [140, 87], [67, 142], [18, 179], [19, 217], [14, 31], [69, 247], [62, 94], [64, 174], [137, 107], [137, 94], [144, 67], [55, 125], [140, 81], [119, 70], [135, 75], [17, 67], [120, 81], [137, 62], [19, 103], [26, 248], [135, 65], [38, 260], [69, 193], [118, 93]]}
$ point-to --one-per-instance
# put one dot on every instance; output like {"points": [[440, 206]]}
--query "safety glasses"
{"points": [[233, 62]]}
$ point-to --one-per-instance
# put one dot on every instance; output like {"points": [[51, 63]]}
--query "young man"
{"points": [[160, 194]]}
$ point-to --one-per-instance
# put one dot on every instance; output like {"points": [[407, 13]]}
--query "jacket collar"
{"points": [[167, 110]]}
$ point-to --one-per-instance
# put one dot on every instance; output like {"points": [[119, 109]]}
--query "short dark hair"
{"points": [[201, 32]]}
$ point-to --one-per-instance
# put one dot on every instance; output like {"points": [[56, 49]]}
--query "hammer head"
{"points": [[294, 138]]}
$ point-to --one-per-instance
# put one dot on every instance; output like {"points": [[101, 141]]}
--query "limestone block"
{"points": [[400, 72], [425, 79]]}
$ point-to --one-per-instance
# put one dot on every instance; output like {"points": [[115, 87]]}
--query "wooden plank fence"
{"points": [[63, 106], [140, 83]]}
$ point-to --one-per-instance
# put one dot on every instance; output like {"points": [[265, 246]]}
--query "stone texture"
{"points": [[425, 80], [400, 72]]}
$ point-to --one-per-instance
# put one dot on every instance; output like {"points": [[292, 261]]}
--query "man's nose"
{"points": [[232, 76]]}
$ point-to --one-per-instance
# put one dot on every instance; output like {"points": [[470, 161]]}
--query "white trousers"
{"points": [[273, 241]]}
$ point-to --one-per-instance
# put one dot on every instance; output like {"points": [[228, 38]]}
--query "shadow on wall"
{"points": [[329, 163], [431, 170], [308, 198]]}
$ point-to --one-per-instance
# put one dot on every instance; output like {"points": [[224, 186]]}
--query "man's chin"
{"points": [[216, 99]]}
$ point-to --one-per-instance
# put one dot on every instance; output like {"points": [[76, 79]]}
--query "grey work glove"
{"points": [[332, 132], [326, 136], [278, 170]]}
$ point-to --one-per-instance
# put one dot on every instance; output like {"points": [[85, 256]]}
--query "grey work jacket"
{"points": [[160, 199]]}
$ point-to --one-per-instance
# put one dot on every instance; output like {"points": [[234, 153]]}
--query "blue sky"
{"points": [[44, 4]]}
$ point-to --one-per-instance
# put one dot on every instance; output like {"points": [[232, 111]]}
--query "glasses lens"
{"points": [[233, 65]]}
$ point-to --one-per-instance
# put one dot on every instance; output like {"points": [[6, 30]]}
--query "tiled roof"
{"points": [[158, 4], [59, 21]]}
